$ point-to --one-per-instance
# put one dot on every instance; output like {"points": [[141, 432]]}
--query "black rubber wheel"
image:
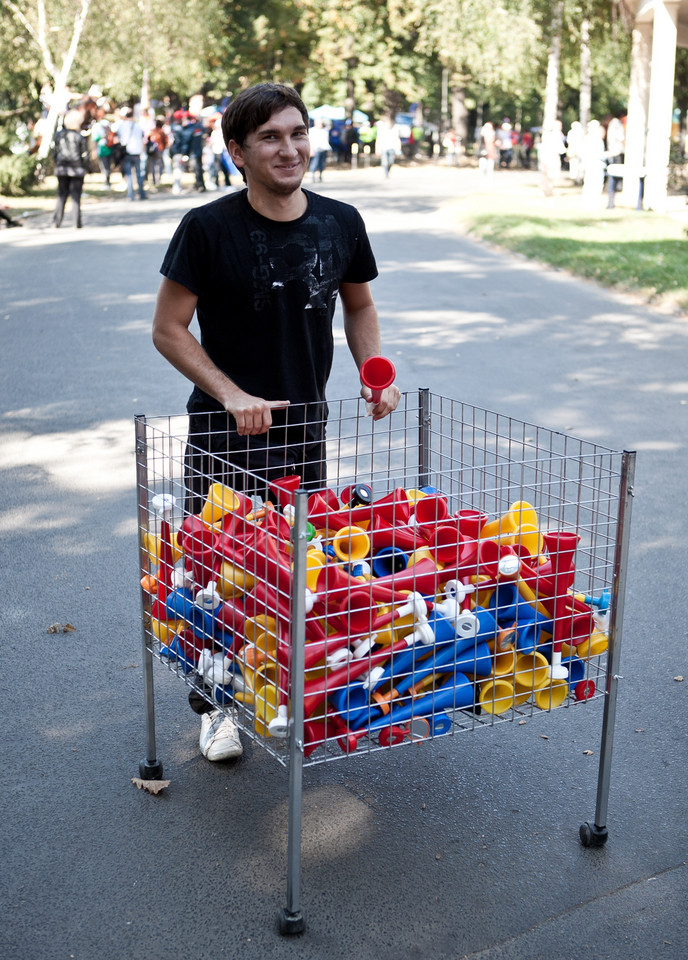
{"points": [[150, 771], [290, 924], [592, 836]]}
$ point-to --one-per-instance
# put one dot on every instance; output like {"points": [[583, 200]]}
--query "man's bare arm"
{"points": [[172, 318], [363, 337]]}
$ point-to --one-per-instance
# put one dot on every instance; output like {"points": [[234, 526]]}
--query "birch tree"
{"points": [[34, 18]]}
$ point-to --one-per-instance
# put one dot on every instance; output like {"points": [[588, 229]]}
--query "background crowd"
{"points": [[144, 144]]}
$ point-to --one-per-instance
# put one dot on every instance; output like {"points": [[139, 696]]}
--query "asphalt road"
{"points": [[467, 847]]}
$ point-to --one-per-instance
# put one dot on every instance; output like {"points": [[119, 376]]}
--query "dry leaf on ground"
{"points": [[150, 786]]}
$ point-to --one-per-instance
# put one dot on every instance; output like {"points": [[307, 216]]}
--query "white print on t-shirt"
{"points": [[296, 263]]}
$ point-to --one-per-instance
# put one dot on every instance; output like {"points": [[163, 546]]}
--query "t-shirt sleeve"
{"points": [[186, 260], [362, 267]]}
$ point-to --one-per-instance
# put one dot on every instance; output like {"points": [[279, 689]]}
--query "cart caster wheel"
{"points": [[150, 771], [290, 924], [592, 835]]}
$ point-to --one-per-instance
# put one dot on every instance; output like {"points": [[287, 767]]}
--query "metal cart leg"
{"points": [[595, 834], [423, 437], [150, 768], [290, 919]]}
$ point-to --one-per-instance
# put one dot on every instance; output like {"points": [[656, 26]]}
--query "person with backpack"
{"points": [[155, 145], [71, 155]]}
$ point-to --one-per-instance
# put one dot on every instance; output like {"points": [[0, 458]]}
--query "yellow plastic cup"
{"points": [[415, 495], [552, 695], [220, 500], [496, 696], [532, 671]]}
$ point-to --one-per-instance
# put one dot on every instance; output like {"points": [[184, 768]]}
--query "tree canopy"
{"points": [[377, 55]]}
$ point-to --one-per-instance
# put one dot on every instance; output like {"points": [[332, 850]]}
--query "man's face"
{"points": [[275, 155]]}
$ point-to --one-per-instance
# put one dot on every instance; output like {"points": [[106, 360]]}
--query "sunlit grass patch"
{"points": [[632, 250]]}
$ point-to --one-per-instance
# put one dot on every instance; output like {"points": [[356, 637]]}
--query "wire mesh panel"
{"points": [[459, 569]]}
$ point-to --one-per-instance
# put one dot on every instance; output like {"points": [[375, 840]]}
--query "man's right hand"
{"points": [[253, 415]]}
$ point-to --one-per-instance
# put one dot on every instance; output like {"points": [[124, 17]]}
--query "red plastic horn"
{"points": [[284, 489], [377, 373]]}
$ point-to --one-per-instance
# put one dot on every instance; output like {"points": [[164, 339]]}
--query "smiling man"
{"points": [[262, 270]]}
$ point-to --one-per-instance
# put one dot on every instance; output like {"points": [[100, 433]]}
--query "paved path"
{"points": [[463, 848]]}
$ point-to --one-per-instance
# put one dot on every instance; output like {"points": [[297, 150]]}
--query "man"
{"points": [[262, 269], [187, 143], [387, 143], [130, 134]]}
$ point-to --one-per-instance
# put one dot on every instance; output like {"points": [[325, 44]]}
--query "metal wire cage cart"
{"points": [[440, 571]]}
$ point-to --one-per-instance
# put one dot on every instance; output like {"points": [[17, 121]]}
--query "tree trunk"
{"points": [[459, 113], [553, 59], [60, 78], [585, 75], [548, 156]]}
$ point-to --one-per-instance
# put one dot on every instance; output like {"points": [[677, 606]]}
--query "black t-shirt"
{"points": [[267, 291]]}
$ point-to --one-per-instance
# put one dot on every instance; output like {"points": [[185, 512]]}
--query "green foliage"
{"points": [[678, 169], [17, 170], [17, 174], [379, 55]]}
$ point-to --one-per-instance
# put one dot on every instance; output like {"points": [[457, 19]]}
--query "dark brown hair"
{"points": [[254, 107]]}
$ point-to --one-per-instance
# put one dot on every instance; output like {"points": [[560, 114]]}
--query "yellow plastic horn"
{"points": [[315, 561], [351, 544], [531, 671], [496, 696], [233, 581], [264, 707], [552, 695], [220, 500]]}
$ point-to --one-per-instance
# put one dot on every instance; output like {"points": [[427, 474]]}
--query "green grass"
{"points": [[636, 251]]}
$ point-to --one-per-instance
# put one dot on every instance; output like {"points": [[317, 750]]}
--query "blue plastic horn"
{"points": [[476, 660], [456, 694], [180, 605], [351, 703], [389, 560]]}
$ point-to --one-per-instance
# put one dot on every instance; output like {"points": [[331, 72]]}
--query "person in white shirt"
{"points": [[130, 134], [319, 136], [387, 143]]}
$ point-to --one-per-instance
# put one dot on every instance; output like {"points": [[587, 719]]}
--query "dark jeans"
{"points": [[132, 164], [68, 187], [318, 161], [215, 453], [105, 164]]}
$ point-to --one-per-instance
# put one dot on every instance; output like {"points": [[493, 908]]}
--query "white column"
{"points": [[638, 101], [664, 40]]}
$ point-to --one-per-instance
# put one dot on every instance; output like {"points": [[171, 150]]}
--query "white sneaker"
{"points": [[219, 738]]}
